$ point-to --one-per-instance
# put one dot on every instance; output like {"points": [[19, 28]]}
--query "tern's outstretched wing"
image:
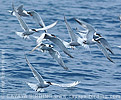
{"points": [[67, 45], [89, 28], [47, 27], [21, 21], [22, 12], [105, 43], [67, 85], [37, 19], [70, 31], [103, 49], [33, 86], [56, 55], [60, 44], [39, 41], [35, 73], [21, 34], [20, 8]]}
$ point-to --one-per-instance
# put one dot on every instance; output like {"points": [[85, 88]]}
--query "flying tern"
{"points": [[91, 37], [54, 53], [75, 39], [20, 11], [39, 87], [90, 32]]}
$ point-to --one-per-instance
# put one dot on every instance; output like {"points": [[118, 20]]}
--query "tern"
{"points": [[75, 39], [91, 37], [54, 53], [55, 40], [90, 31], [20, 11], [39, 20], [39, 87], [24, 26]]}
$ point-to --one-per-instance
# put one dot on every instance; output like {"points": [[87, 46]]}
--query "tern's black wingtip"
{"points": [[71, 56], [74, 18]]}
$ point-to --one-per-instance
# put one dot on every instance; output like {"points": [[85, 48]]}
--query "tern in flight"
{"points": [[39, 87], [20, 11], [54, 53], [75, 39], [91, 37]]}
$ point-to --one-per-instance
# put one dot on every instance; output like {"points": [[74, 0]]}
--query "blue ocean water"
{"points": [[97, 76]]}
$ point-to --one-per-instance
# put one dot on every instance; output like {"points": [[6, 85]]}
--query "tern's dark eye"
{"points": [[49, 45]]}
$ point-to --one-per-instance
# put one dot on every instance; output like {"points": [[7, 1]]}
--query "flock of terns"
{"points": [[82, 38]]}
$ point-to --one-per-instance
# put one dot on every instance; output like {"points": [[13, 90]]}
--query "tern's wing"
{"points": [[38, 19], [33, 86], [21, 34], [21, 21], [22, 12], [103, 49], [80, 41], [67, 85], [60, 44], [89, 28], [39, 41], [70, 31], [47, 27], [67, 45], [83, 35], [105, 43], [56, 55], [35, 73], [20, 8]]}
